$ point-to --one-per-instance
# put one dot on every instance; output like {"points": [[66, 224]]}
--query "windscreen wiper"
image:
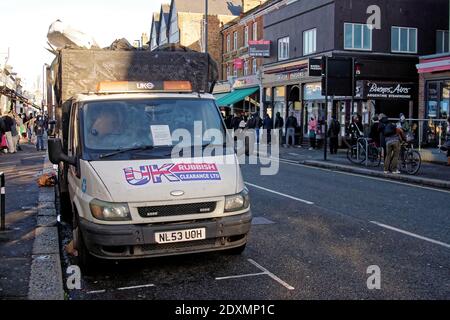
{"points": [[120, 151]]}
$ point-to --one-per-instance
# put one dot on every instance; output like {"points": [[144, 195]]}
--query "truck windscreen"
{"points": [[126, 124]]}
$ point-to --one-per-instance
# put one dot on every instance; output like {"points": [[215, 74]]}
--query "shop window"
{"points": [[404, 40], [309, 41], [283, 48], [357, 37], [442, 41]]}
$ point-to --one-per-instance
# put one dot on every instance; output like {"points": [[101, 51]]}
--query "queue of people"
{"points": [[20, 128]]}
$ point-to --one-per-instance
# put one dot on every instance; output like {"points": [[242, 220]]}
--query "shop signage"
{"points": [[246, 82], [313, 91], [259, 48], [238, 63], [384, 90], [315, 67]]}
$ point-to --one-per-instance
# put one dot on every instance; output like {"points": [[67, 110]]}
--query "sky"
{"points": [[24, 25]]}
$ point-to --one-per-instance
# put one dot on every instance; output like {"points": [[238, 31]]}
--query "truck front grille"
{"points": [[177, 210]]}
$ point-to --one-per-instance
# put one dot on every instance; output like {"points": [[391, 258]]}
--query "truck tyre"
{"points": [[65, 208], [84, 259], [236, 251]]}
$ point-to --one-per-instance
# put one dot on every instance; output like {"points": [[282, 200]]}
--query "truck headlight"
{"points": [[110, 211], [237, 202]]}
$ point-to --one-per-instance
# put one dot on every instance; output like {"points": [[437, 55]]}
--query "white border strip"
{"points": [[270, 274], [280, 194], [136, 287], [411, 234]]}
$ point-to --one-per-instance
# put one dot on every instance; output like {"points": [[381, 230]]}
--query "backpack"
{"points": [[390, 130]]}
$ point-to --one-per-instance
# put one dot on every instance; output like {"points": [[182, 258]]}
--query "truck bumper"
{"points": [[138, 241]]}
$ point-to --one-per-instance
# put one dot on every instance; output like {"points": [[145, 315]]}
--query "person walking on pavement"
{"points": [[333, 133], [312, 132], [9, 124], [279, 124], [14, 131], [393, 136], [267, 126], [404, 125], [39, 131], [3, 142], [291, 126]]}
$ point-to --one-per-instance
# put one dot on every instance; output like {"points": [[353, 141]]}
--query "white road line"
{"points": [[280, 194], [136, 287], [360, 175], [95, 292], [412, 234], [270, 274], [241, 276]]}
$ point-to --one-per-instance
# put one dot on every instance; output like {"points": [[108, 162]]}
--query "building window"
{"points": [[404, 40], [235, 71], [228, 43], [255, 31], [246, 68], [228, 72], [246, 36], [255, 66], [309, 41], [283, 48], [235, 40], [357, 37], [442, 41]]}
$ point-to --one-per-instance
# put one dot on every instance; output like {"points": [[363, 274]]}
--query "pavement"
{"points": [[29, 251]]}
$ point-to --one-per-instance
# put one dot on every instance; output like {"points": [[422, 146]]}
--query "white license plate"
{"points": [[180, 236]]}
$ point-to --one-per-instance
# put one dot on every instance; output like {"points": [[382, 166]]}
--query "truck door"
{"points": [[74, 150]]}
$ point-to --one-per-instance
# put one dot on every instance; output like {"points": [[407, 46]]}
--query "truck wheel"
{"points": [[236, 251], [84, 259], [65, 208]]}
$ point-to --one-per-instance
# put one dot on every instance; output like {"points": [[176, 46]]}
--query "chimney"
{"points": [[248, 5]]}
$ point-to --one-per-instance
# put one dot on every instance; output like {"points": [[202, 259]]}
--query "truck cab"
{"points": [[146, 172]]}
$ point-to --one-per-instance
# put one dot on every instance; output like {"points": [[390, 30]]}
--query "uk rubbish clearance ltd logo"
{"points": [[171, 173]]}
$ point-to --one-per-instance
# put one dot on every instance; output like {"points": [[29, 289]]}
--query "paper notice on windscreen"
{"points": [[161, 136]]}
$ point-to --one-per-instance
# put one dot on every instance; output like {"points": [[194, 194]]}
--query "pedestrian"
{"points": [[384, 121], [15, 131], [312, 133], [447, 140], [235, 122], [291, 127], [30, 127], [393, 136], [39, 131], [278, 126], [258, 125], [374, 134], [333, 133], [267, 126], [403, 124], [9, 124], [3, 142], [355, 129], [228, 120]]}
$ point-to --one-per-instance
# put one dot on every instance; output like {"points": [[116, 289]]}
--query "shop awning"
{"points": [[236, 96], [219, 96]]}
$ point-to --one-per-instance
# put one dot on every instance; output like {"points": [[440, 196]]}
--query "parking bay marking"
{"points": [[123, 288], [264, 272], [280, 194], [411, 234]]}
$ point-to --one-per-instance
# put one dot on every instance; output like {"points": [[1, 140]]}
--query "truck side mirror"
{"points": [[56, 153]]}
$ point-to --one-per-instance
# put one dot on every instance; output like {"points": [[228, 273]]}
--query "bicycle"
{"points": [[410, 159], [364, 146]]}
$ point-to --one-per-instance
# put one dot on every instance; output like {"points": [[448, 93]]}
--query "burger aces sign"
{"points": [[384, 90]]}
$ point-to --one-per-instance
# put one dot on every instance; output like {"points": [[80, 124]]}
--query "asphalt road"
{"points": [[316, 232]]}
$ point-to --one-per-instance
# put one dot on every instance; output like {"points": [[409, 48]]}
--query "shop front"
{"points": [[434, 97], [243, 99]]}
